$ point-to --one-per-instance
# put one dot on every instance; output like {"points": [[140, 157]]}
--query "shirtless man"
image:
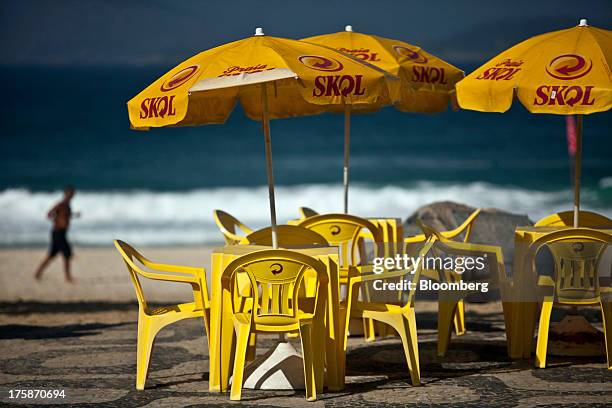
{"points": [[60, 214]]}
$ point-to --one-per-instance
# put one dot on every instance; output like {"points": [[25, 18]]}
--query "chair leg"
{"points": [[252, 347], [412, 351], [242, 342], [507, 310], [543, 327], [459, 319], [383, 330], [405, 325], [146, 339], [606, 312], [446, 311], [319, 343], [308, 357], [368, 330]]}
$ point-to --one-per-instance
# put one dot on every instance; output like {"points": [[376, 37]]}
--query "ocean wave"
{"points": [[185, 218]]}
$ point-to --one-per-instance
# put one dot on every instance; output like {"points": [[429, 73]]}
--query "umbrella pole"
{"points": [[266, 129], [577, 170], [347, 145]]}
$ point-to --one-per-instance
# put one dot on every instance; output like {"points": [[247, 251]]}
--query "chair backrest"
{"points": [[343, 231], [306, 212], [566, 219], [577, 253], [230, 227], [129, 255], [276, 276], [289, 236]]}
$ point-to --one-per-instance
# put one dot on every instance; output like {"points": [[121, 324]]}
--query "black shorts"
{"points": [[59, 243]]}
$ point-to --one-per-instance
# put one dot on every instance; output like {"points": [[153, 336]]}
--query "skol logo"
{"points": [[504, 70], [362, 53], [237, 70], [334, 230], [321, 63], [179, 78], [568, 67], [430, 75], [412, 55], [338, 85], [157, 107], [276, 268], [563, 95]]}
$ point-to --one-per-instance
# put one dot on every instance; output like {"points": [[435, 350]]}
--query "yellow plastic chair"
{"points": [[466, 229], [576, 253], [151, 321], [230, 227], [289, 236], [566, 219], [400, 317], [450, 302], [306, 212], [276, 277], [346, 231]]}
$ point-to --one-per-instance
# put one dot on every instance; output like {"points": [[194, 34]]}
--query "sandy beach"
{"points": [[100, 274]]}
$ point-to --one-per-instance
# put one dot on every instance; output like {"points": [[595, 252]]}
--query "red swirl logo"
{"points": [[568, 67], [321, 63], [179, 78], [413, 56]]}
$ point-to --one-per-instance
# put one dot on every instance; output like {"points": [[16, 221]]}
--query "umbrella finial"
{"points": [[259, 31], [583, 22], [348, 28]]}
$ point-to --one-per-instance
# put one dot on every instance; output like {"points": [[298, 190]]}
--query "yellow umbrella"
{"points": [[305, 79], [427, 82], [563, 72]]}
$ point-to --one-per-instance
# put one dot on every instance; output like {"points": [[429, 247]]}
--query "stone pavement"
{"points": [[90, 351]]}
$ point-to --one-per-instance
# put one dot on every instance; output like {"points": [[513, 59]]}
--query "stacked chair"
{"points": [[577, 253], [346, 232]]}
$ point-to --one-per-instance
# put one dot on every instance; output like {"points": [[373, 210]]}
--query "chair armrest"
{"points": [[188, 270], [448, 234], [379, 276], [545, 281], [168, 277]]}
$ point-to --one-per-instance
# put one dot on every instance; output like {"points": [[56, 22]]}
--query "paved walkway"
{"points": [[89, 351]]}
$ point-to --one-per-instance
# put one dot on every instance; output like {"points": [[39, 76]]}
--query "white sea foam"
{"points": [[162, 218], [605, 182]]}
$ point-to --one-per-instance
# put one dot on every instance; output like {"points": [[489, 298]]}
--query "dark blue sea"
{"points": [[70, 126]]}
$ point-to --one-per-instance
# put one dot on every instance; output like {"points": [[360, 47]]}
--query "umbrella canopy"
{"points": [[308, 79], [563, 72], [427, 82], [270, 77]]}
